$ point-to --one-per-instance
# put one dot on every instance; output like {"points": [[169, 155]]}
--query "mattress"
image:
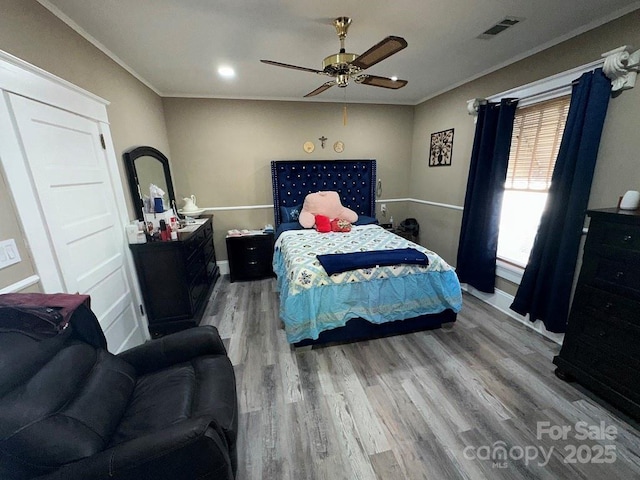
{"points": [[311, 301]]}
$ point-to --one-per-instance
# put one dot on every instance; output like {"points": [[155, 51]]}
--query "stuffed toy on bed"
{"points": [[326, 204]]}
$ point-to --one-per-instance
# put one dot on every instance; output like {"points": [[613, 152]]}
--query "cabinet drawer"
{"points": [[620, 274], [610, 234], [608, 334], [254, 245], [208, 249], [255, 268], [207, 231], [609, 368], [599, 303]]}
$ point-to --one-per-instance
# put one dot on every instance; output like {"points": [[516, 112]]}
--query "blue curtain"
{"points": [[477, 249], [545, 288]]}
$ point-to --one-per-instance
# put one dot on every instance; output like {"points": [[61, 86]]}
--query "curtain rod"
{"points": [[620, 65], [545, 92]]}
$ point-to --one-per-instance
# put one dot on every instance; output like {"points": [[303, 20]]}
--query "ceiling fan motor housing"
{"points": [[338, 63]]}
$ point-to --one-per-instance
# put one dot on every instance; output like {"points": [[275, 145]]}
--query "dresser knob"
{"points": [[608, 306], [619, 275], [251, 248], [627, 238], [602, 333], [253, 263]]}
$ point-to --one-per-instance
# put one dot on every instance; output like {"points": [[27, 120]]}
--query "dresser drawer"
{"points": [[595, 302], [608, 367], [621, 274], [617, 235], [608, 334]]}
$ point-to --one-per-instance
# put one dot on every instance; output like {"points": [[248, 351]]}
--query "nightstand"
{"points": [[250, 256], [404, 234]]}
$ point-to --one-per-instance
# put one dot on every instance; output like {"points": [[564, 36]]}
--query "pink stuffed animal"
{"points": [[327, 204]]}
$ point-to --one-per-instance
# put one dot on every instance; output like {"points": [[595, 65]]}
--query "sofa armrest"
{"points": [[195, 448], [175, 348]]}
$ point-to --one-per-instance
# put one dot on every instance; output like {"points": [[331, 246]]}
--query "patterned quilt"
{"points": [[304, 271]]}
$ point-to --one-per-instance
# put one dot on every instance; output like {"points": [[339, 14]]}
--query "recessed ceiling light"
{"points": [[226, 72]]}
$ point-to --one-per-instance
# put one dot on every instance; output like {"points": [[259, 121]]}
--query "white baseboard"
{"points": [[223, 265], [501, 301]]}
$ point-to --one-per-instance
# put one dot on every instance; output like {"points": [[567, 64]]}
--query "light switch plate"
{"points": [[9, 253]]}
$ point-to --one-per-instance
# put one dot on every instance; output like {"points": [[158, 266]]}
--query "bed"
{"points": [[363, 303]]}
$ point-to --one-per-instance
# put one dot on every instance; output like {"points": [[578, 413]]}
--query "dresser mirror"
{"points": [[145, 166]]}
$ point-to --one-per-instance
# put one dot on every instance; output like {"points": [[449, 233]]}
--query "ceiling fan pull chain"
{"points": [[344, 109]]}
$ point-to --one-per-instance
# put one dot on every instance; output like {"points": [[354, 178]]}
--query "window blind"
{"points": [[537, 133]]}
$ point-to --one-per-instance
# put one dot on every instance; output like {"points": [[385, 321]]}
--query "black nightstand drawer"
{"points": [[250, 256]]}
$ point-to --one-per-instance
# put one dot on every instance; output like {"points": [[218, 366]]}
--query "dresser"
{"points": [[176, 278], [250, 256], [601, 349]]}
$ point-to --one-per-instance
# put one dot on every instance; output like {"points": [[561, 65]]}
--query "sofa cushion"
{"points": [[186, 390], [54, 408]]}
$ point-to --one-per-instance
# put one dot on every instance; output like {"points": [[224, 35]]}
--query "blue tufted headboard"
{"points": [[354, 180]]}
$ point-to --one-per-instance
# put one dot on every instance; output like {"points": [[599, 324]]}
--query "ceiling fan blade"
{"points": [[383, 82], [320, 89], [294, 67], [379, 52]]}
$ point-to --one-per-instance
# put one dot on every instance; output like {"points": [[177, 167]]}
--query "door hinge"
{"points": [[102, 142], [141, 310]]}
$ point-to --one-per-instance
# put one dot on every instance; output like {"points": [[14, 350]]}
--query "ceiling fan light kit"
{"points": [[345, 67]]}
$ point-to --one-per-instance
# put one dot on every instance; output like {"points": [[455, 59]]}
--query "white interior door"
{"points": [[68, 168]]}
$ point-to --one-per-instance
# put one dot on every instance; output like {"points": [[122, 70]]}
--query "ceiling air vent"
{"points": [[499, 27]]}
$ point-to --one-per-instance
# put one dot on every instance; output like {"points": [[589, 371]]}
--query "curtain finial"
{"points": [[621, 67], [473, 105]]}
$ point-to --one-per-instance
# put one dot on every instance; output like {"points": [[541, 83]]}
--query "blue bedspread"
{"points": [[312, 301]]}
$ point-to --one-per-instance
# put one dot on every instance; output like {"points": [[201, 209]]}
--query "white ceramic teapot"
{"points": [[190, 204]]}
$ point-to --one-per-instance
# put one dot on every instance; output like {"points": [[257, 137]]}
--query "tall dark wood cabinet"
{"points": [[176, 277], [601, 349]]}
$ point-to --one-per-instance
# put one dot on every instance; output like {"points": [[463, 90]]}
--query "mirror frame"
{"points": [[130, 157]]}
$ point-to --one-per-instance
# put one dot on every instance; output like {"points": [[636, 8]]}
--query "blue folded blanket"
{"points": [[343, 262]]}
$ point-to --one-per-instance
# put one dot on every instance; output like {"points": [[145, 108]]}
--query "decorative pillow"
{"points": [[284, 227], [363, 220], [290, 214], [327, 204], [339, 225], [323, 224]]}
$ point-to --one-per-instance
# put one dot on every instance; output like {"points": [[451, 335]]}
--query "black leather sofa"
{"points": [[69, 409]]}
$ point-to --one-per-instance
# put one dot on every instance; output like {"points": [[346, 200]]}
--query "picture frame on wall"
{"points": [[441, 148]]}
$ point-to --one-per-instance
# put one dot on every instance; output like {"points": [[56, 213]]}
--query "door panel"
{"points": [[68, 168]]}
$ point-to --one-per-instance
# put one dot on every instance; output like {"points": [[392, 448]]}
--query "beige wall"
{"points": [[618, 166], [32, 33], [222, 149]]}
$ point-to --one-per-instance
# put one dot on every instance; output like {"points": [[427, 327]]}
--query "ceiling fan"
{"points": [[344, 67]]}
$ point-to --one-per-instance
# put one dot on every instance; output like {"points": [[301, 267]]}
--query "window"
{"points": [[537, 133]]}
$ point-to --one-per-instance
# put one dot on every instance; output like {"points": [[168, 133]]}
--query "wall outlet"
{"points": [[383, 208]]}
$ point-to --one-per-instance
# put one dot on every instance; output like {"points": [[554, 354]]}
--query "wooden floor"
{"points": [[464, 402]]}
